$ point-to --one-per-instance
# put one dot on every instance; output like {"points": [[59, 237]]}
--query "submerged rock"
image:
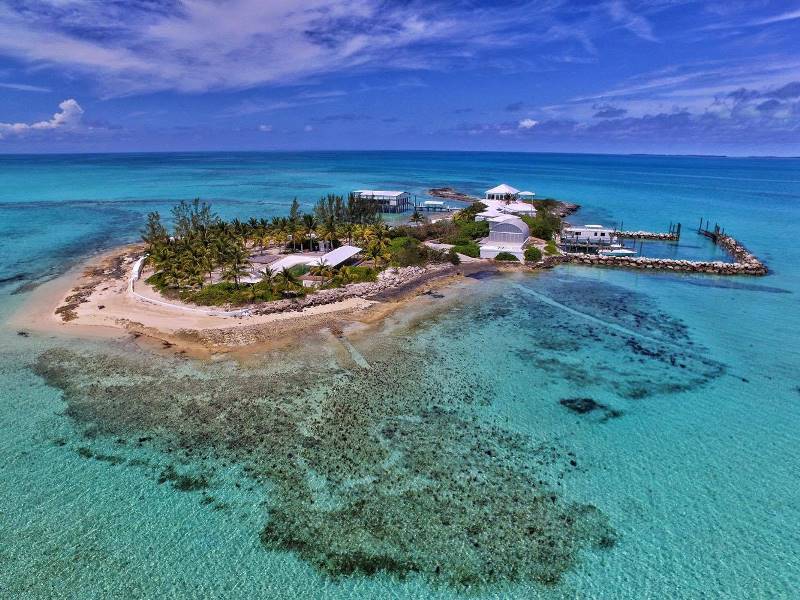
{"points": [[581, 405], [584, 406]]}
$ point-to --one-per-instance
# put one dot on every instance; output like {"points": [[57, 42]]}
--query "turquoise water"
{"points": [[689, 456]]}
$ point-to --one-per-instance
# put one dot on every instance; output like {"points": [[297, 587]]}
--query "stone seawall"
{"points": [[666, 264], [745, 262], [648, 235], [390, 279]]}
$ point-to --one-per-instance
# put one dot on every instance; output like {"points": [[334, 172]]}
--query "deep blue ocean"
{"points": [[691, 454]]}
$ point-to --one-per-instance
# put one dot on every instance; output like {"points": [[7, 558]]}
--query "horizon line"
{"points": [[319, 150]]}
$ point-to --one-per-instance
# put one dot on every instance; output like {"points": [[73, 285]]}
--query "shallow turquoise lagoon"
{"points": [[689, 448]]}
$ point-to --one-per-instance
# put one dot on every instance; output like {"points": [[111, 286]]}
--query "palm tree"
{"points": [[360, 233], [329, 232], [322, 269], [236, 263], [308, 228], [288, 278], [417, 217], [280, 230], [378, 241], [345, 230], [267, 275]]}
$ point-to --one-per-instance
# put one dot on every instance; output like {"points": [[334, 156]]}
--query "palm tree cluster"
{"points": [[205, 249], [203, 244]]}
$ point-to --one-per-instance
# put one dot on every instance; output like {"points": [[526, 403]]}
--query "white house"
{"points": [[387, 200], [501, 192], [507, 233], [504, 199]]}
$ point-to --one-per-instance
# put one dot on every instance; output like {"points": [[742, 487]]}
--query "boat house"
{"points": [[388, 201], [589, 234], [507, 233]]}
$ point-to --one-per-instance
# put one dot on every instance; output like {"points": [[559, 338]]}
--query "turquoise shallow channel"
{"points": [[579, 432]]}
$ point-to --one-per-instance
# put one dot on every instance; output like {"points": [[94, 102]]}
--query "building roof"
{"points": [[338, 256], [526, 194], [287, 262], [331, 259], [518, 207], [510, 220], [503, 188], [588, 228], [385, 193]]}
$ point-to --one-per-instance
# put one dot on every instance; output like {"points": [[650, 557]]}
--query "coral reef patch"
{"points": [[380, 469]]}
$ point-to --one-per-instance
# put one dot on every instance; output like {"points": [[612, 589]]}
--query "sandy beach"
{"points": [[95, 300]]}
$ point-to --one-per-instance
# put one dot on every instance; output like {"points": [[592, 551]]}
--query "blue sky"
{"points": [[656, 76]]}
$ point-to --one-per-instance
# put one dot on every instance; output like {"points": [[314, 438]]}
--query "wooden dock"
{"points": [[434, 208]]}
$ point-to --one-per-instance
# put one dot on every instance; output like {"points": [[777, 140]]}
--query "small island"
{"points": [[210, 283]]}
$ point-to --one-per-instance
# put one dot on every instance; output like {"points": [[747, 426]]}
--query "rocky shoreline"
{"points": [[562, 209], [448, 193], [389, 281]]}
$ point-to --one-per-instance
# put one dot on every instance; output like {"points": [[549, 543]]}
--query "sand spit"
{"points": [[96, 300]]}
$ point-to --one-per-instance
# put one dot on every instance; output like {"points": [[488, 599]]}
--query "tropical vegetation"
{"points": [[205, 258], [533, 254]]}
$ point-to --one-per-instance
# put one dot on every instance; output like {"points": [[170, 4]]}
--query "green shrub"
{"points": [[551, 248], [474, 229], [156, 280], [543, 225], [469, 248], [468, 213], [506, 256], [403, 241], [406, 251], [533, 254], [453, 257]]}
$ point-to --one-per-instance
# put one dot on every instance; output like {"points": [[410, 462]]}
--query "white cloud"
{"points": [[308, 128], [787, 16], [68, 118], [265, 128], [24, 87], [202, 45], [527, 124], [636, 24]]}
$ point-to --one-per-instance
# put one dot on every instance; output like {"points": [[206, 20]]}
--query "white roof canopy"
{"points": [[338, 256], [526, 194], [381, 193], [503, 189], [331, 259]]}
